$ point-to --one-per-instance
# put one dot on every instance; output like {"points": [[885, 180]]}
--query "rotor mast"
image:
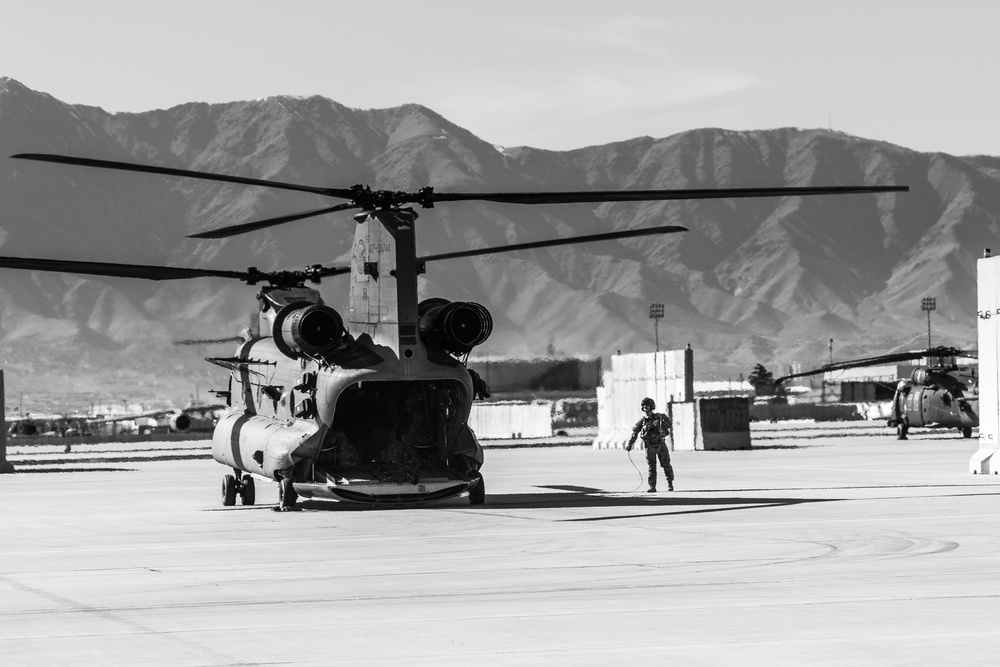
{"points": [[383, 296]]}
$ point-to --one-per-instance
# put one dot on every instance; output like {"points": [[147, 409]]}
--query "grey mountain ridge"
{"points": [[758, 280]]}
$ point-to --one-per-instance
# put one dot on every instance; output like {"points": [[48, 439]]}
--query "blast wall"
{"points": [[986, 461], [722, 423], [666, 377], [511, 419]]}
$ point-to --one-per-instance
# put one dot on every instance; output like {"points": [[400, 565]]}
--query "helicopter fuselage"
{"points": [[349, 432], [373, 411], [936, 397]]}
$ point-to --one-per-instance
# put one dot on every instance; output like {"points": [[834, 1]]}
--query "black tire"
{"points": [[228, 491], [286, 493], [902, 428], [249, 493], [477, 494], [966, 431]]}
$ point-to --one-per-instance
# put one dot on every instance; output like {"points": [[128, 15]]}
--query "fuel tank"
{"points": [[260, 444]]}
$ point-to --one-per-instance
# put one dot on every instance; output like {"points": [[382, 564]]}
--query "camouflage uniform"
{"points": [[653, 429]]}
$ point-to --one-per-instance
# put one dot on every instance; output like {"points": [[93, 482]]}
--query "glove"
{"points": [[628, 447]]}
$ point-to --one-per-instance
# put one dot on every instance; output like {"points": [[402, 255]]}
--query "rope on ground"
{"points": [[639, 472]]}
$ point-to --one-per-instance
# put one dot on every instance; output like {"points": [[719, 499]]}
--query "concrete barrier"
{"points": [[511, 419], [722, 423], [666, 377]]}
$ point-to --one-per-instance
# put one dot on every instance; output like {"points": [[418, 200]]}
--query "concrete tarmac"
{"points": [[824, 545]]}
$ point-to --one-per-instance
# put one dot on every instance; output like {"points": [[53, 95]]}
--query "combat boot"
{"points": [[670, 486]]}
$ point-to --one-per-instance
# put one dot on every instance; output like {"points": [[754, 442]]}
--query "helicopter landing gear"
{"points": [[477, 494], [901, 430], [286, 496], [234, 485], [966, 431], [248, 493], [228, 491]]}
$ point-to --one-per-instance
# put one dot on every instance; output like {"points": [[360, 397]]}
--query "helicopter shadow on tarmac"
{"points": [[676, 503], [577, 497]]}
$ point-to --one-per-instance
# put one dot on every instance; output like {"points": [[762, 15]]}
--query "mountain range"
{"points": [[768, 280]]}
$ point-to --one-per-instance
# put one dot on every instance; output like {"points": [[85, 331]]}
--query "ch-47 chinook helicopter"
{"points": [[941, 394], [374, 406]]}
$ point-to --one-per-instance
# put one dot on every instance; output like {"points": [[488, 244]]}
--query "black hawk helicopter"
{"points": [[940, 394], [372, 406]]}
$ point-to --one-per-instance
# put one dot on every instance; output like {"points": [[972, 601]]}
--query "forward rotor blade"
{"points": [[142, 271], [224, 232], [658, 195], [608, 236], [184, 173]]}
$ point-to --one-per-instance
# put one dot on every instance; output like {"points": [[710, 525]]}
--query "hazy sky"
{"points": [[554, 74]]}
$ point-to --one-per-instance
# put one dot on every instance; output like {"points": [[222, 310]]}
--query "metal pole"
{"points": [[655, 313], [928, 304], [5, 466]]}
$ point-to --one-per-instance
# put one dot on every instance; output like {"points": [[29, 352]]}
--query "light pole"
{"points": [[5, 466], [928, 304], [655, 313]]}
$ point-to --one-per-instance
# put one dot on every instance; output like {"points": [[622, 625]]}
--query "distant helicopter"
{"points": [[374, 409], [941, 394]]}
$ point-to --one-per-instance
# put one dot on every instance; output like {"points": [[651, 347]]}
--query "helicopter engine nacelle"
{"points": [[453, 326], [307, 329], [919, 376]]}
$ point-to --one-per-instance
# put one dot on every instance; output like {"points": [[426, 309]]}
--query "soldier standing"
{"points": [[654, 428]]}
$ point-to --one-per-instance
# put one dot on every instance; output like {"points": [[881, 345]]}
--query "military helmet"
{"points": [[648, 401]]}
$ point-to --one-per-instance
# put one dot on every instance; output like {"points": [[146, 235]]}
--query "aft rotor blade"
{"points": [[608, 236], [224, 232], [332, 271], [108, 269], [210, 341], [659, 195], [184, 173]]}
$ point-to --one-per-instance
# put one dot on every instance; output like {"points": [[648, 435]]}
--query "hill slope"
{"points": [[763, 280]]}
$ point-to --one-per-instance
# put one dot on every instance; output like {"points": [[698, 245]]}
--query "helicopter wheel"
{"points": [[901, 430], [286, 493], [228, 491], [477, 494], [966, 431], [248, 493]]}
